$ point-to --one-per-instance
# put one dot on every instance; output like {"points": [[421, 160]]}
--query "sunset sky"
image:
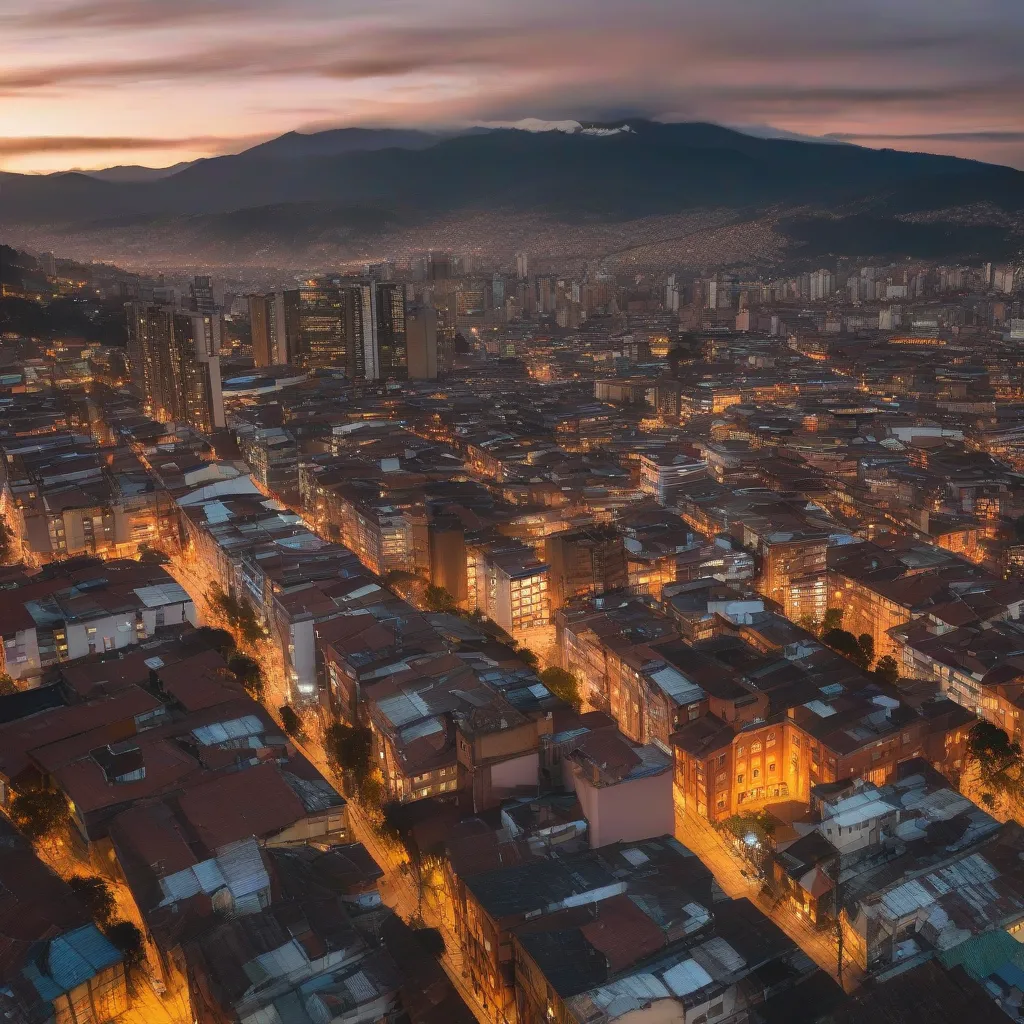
{"points": [[91, 83]]}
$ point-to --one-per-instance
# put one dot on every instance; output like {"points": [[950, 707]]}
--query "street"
{"points": [[700, 837]]}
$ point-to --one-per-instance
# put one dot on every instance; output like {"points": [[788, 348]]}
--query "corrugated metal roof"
{"points": [[242, 868], [161, 594], [233, 729], [676, 685], [360, 987], [686, 977], [76, 957], [724, 954], [907, 899]]}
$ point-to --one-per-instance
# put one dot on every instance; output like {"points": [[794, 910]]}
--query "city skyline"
{"points": [[104, 82]]}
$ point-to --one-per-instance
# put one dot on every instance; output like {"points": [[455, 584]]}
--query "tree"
{"points": [[349, 747], [564, 685], [96, 896], [888, 670], [215, 639], [395, 576], [437, 599], [128, 939], [529, 657], [290, 720], [238, 613], [431, 940], [372, 791], [832, 619], [40, 813], [843, 642], [249, 674], [7, 685], [860, 651], [866, 642], [152, 556], [6, 542]]}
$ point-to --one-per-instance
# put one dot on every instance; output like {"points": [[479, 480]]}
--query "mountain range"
{"points": [[348, 192]]}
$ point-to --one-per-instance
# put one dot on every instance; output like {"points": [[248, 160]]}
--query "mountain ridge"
{"points": [[390, 176]]}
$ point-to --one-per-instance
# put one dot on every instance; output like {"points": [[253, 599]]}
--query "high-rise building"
{"points": [[174, 359], [200, 293], [390, 323], [439, 267], [522, 266], [259, 327], [422, 343], [322, 323]]}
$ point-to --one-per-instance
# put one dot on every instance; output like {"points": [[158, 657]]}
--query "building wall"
{"points": [[626, 812]]}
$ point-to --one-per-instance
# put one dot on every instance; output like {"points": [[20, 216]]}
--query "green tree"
{"points": [[238, 613], [214, 639], [6, 542], [372, 791], [290, 720], [998, 760], [7, 685], [149, 555], [832, 619], [128, 939], [888, 670], [866, 643], [249, 674], [349, 747], [563, 684], [96, 896], [529, 657], [845, 643], [437, 599], [40, 813]]}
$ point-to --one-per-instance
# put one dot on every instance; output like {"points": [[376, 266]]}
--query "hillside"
{"points": [[347, 191]]}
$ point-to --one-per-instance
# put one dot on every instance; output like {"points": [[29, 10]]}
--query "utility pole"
{"points": [[837, 911]]}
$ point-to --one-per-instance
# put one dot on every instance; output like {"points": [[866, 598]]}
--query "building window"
{"points": [[739, 779], [756, 773], [771, 766]]}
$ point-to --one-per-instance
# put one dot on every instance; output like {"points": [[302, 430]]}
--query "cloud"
{"points": [[868, 71], [130, 14], [31, 145], [979, 136]]}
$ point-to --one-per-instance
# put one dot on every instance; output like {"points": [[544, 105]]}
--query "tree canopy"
{"points": [[563, 684]]}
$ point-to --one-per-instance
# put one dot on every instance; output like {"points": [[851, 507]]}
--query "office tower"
{"points": [[200, 293], [174, 359], [439, 267], [259, 326], [497, 291], [391, 330], [49, 264], [522, 266], [322, 323], [421, 343]]}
